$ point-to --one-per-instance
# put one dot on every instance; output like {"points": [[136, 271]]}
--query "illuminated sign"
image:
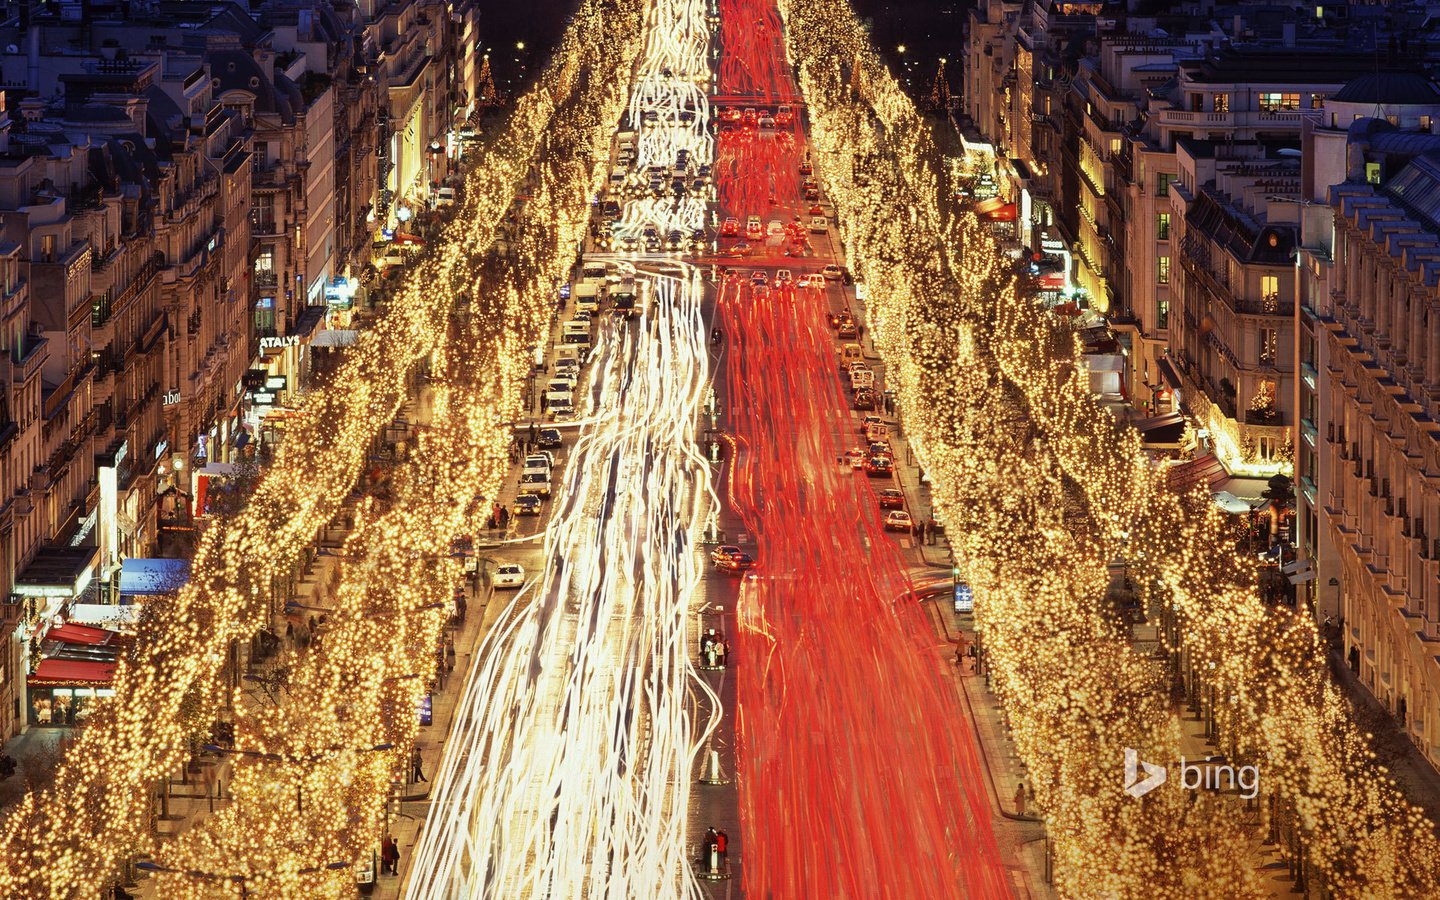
{"points": [[275, 383], [964, 598], [171, 398], [263, 398], [279, 343]]}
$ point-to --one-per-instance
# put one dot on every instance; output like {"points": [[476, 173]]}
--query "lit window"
{"points": [[1162, 184], [1222, 103], [1317, 101], [1162, 226], [1162, 269], [1424, 123], [1279, 102]]}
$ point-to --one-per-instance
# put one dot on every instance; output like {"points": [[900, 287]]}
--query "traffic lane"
{"points": [[809, 669]]}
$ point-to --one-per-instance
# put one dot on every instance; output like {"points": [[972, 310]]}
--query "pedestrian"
{"points": [[416, 775], [722, 845], [915, 530], [1020, 799], [924, 532], [724, 652], [449, 654], [313, 624], [504, 516], [389, 857], [460, 606], [289, 631], [534, 434], [933, 529], [712, 839]]}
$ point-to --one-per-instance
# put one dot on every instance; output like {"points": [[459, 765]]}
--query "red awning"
{"points": [[1067, 309], [72, 671], [408, 238], [82, 634], [996, 209], [1052, 281], [1206, 470]]}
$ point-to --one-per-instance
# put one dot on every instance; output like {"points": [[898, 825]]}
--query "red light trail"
{"points": [[859, 777]]}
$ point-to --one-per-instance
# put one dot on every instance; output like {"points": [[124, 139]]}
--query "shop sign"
{"points": [[279, 343], [170, 399], [275, 383], [263, 398], [161, 448], [425, 709], [964, 598]]}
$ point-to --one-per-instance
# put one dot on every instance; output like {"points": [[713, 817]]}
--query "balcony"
{"points": [[28, 366]]}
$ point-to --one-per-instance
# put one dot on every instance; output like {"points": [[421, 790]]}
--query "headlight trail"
{"points": [[568, 770]]}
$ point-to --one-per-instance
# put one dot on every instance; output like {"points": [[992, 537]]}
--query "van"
{"points": [[536, 465], [861, 378], [819, 225], [753, 229], [587, 296], [445, 197], [617, 176], [850, 353], [535, 483], [576, 334], [593, 272], [555, 399]]}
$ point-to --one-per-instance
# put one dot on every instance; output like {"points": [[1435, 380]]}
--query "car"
{"points": [[724, 551], [740, 249], [775, 227], [526, 505], [537, 465], [740, 562], [758, 279], [891, 498], [753, 229], [749, 116], [731, 228], [868, 421], [832, 272], [767, 122], [535, 483], [898, 520], [703, 172], [549, 437], [865, 399], [445, 197], [877, 432], [811, 279], [509, 575], [879, 467], [882, 448], [855, 458], [816, 209], [812, 194], [782, 277], [846, 328], [674, 240], [560, 410], [784, 115], [806, 169]]}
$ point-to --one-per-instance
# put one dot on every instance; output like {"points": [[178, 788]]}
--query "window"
{"points": [[1197, 102], [1162, 184], [1162, 321], [1372, 172], [1116, 145], [265, 274], [265, 316], [47, 248], [1222, 103], [1162, 226], [1269, 346], [1424, 123], [1162, 269], [1317, 101], [1270, 293], [1279, 102]]}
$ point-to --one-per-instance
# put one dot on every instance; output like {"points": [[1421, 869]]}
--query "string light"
{"points": [[1040, 490]]}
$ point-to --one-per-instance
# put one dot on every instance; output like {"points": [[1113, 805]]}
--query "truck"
{"points": [[587, 296]]}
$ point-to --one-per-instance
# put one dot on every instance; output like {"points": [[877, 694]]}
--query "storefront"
{"points": [[76, 667]]}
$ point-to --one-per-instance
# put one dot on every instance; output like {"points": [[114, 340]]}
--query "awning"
{"points": [[996, 210], [1161, 431], [1206, 470], [149, 577], [89, 635], [1248, 489], [335, 338], [58, 572], [72, 671], [1168, 374], [408, 239]]}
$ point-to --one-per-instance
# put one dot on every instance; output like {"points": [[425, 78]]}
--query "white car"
{"points": [[898, 520], [536, 465], [813, 279], [560, 409], [509, 575], [833, 272], [782, 277]]}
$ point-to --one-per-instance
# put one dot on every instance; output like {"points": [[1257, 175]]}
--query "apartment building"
{"points": [[1372, 470], [1233, 232]]}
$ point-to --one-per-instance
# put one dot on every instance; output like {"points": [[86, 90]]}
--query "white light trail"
{"points": [[568, 769]]}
